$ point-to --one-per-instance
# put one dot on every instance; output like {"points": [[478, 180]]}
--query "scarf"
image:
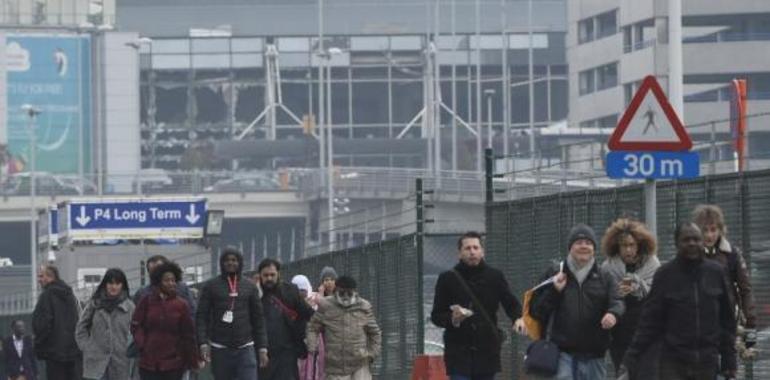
{"points": [[642, 276], [581, 273], [109, 304]]}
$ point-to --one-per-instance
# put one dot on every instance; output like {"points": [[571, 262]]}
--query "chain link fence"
{"points": [[524, 236]]}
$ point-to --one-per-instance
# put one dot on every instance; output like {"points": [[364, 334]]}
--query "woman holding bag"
{"points": [[103, 331]]}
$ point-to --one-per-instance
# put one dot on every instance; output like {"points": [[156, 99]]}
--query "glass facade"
{"points": [[196, 91]]}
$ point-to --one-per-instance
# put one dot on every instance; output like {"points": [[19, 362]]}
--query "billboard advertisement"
{"points": [[53, 74]]}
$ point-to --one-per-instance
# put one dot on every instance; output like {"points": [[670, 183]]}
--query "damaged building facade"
{"points": [[206, 79]]}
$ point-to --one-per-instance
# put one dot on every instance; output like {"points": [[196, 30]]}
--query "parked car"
{"points": [[45, 184], [153, 180], [244, 183]]}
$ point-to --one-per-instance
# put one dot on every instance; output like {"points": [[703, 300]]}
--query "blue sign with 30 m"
{"points": [[654, 165]]}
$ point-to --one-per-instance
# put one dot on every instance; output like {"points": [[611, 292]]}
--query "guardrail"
{"points": [[151, 183]]}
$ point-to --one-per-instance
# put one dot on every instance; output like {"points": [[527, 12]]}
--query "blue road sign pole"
{"points": [[651, 205]]}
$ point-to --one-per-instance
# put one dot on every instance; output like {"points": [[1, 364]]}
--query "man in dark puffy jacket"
{"points": [[465, 304], [286, 317], [689, 306], [230, 322], [53, 322], [584, 304]]}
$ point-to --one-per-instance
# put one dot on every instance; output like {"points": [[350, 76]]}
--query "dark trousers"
{"points": [[476, 377], [234, 363], [671, 369], [161, 375], [55, 370], [282, 366]]}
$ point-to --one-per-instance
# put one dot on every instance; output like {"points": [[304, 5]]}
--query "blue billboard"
{"points": [[52, 73]]}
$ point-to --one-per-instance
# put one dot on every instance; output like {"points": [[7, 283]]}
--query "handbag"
{"points": [[498, 334], [542, 356]]}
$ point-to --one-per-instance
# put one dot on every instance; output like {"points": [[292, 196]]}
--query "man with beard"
{"points": [[230, 322], [286, 316], [689, 307], [353, 338], [53, 323]]}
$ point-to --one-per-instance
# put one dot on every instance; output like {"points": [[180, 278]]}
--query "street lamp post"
{"points": [[32, 112], [329, 143]]}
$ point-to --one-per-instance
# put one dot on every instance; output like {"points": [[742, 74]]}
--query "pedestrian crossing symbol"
{"points": [[650, 123]]}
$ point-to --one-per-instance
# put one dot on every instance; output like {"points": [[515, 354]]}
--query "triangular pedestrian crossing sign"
{"points": [[650, 123]]}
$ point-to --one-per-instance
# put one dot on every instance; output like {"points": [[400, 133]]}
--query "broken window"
{"points": [[171, 103]]}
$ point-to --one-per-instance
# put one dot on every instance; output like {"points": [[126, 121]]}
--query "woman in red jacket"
{"points": [[163, 329]]}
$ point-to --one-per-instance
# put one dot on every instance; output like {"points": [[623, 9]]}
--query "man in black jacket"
{"points": [[465, 305], [584, 304], [286, 315], [19, 356], [689, 307], [53, 323], [230, 323]]}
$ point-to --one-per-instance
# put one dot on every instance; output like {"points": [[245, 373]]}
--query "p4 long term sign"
{"points": [[105, 219]]}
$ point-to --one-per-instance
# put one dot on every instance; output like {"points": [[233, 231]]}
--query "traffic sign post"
{"points": [[133, 219], [650, 142]]}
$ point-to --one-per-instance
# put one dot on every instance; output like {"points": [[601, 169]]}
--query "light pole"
{"points": [[329, 143], [489, 93], [530, 63], [32, 112]]}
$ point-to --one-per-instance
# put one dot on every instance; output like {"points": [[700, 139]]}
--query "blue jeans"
{"points": [[464, 377], [234, 363], [580, 369]]}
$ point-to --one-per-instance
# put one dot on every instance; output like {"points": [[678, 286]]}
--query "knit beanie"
{"points": [[328, 272], [581, 231]]}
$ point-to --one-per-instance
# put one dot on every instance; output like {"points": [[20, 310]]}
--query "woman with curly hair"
{"points": [[163, 328], [632, 262]]}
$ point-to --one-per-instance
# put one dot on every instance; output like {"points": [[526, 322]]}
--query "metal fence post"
{"points": [[489, 175], [746, 237], [419, 235]]}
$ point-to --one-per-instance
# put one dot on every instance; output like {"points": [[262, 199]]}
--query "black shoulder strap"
{"points": [[476, 302], [732, 265]]}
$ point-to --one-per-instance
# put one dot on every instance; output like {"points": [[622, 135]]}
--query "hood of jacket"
{"points": [[237, 255], [59, 289]]}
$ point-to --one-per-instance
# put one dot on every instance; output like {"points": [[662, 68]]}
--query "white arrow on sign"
{"points": [[83, 219], [192, 217]]}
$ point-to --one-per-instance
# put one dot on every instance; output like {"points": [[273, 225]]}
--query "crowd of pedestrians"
{"points": [[245, 326], [676, 321], [691, 318]]}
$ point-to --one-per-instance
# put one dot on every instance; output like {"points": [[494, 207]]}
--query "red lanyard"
{"points": [[232, 283]]}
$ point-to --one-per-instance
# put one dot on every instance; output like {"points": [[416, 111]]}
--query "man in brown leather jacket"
{"points": [[711, 221]]}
